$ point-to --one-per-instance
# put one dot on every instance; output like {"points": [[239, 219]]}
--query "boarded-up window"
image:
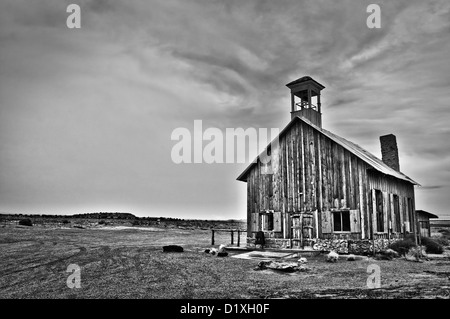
{"points": [[355, 225], [255, 222], [326, 222], [341, 221], [277, 222]]}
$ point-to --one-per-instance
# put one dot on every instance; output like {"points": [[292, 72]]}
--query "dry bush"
{"points": [[26, 222], [402, 246], [432, 246]]}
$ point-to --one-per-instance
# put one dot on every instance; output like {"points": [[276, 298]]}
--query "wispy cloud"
{"points": [[86, 115]]}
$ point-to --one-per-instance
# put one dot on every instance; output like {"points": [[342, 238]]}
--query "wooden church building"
{"points": [[316, 189]]}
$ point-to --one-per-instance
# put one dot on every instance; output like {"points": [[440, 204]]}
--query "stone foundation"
{"points": [[275, 243], [341, 246]]}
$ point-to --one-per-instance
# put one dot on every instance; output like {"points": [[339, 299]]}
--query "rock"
{"points": [[262, 265], [207, 250], [222, 248], [332, 257], [303, 268], [351, 257], [390, 253], [172, 249], [283, 266], [415, 254], [302, 260], [213, 251]]}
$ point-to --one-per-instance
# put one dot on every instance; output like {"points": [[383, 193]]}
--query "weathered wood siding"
{"points": [[310, 173], [390, 186]]}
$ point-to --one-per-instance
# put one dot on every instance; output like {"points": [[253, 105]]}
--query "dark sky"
{"points": [[86, 115]]}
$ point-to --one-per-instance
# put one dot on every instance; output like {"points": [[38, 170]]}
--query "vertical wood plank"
{"points": [[355, 225], [249, 213], [374, 212], [392, 213], [303, 167], [344, 179]]}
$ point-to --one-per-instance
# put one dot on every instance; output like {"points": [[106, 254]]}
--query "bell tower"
{"points": [[305, 99]]}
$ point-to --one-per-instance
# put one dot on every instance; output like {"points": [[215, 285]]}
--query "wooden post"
{"points": [[292, 102], [309, 98], [212, 237], [232, 237], [319, 105], [239, 238]]}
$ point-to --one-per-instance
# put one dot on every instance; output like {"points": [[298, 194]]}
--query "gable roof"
{"points": [[353, 148], [430, 215], [304, 79]]}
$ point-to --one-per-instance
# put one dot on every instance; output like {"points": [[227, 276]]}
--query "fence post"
{"points": [[239, 238], [232, 237], [212, 237]]}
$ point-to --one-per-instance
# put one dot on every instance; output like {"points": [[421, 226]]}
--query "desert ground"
{"points": [[128, 262]]}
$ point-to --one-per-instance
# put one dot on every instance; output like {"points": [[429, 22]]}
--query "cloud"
{"points": [[86, 115]]}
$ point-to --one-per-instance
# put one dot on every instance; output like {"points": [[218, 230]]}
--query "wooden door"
{"points": [[296, 230]]}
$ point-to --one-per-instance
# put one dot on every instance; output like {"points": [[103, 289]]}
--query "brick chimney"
{"points": [[389, 151]]}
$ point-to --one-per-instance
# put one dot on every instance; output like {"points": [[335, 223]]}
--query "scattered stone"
{"points": [[302, 260], [173, 249], [351, 257], [303, 268], [390, 253], [262, 265], [281, 266], [332, 257], [213, 251], [416, 254]]}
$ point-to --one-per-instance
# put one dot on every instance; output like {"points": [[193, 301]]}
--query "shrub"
{"points": [[102, 222], [25, 222], [136, 223], [442, 241], [431, 246], [65, 221], [402, 246]]}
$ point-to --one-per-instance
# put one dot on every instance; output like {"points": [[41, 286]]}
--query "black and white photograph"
{"points": [[224, 157]]}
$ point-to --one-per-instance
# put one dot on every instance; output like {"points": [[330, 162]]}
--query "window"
{"points": [[410, 213], [379, 210], [424, 224], [341, 221], [270, 182], [398, 226], [266, 221]]}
